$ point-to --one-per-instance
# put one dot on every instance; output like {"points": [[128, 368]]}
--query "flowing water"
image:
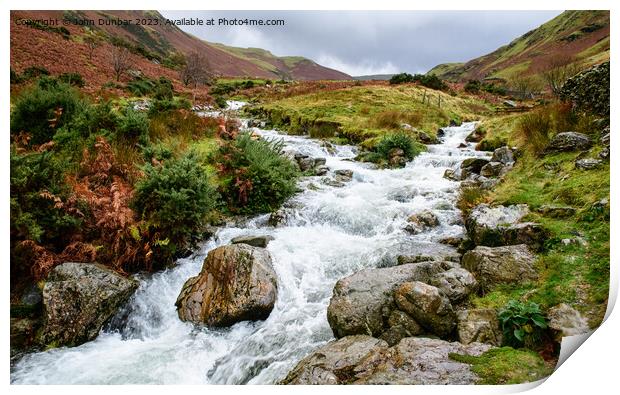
{"points": [[330, 233]]}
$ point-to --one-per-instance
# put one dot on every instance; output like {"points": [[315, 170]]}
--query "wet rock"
{"points": [[319, 161], [446, 257], [450, 175], [400, 326], [503, 155], [332, 182], [397, 161], [462, 145], [498, 225], [569, 141], [396, 152], [362, 302], [556, 211], [566, 321], [427, 306], [475, 136], [421, 221], [344, 173], [479, 325], [588, 163], [421, 361], [321, 170], [23, 332], [305, 163], [490, 183], [472, 166], [426, 139], [280, 217], [256, 241], [453, 241], [366, 360], [492, 266], [335, 362], [440, 133], [30, 303], [237, 283], [453, 123], [456, 283], [403, 195], [78, 299], [492, 169]]}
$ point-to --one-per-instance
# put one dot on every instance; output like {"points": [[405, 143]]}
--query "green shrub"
{"points": [[164, 89], [472, 86], [74, 79], [37, 180], [175, 199], [400, 140], [257, 178], [220, 101], [134, 126], [429, 81], [522, 324], [34, 72], [177, 103], [141, 86], [43, 109], [16, 78]]}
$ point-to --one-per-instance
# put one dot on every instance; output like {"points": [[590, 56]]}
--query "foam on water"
{"points": [[330, 233]]}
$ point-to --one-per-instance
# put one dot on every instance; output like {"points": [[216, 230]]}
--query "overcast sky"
{"points": [[373, 42]]}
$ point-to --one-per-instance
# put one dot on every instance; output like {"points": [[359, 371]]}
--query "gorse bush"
{"points": [[134, 126], [256, 177], [522, 324], [44, 108], [74, 79], [38, 190], [175, 199]]}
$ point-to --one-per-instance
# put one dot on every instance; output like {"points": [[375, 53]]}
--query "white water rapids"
{"points": [[333, 232]]}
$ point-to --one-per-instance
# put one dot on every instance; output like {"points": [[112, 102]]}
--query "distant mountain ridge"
{"points": [[163, 41], [578, 36]]}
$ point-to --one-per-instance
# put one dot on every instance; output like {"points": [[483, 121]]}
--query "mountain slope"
{"points": [[575, 36], [159, 43]]}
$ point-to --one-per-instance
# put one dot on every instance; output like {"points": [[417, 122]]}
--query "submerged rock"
{"points": [[569, 141], [366, 360], [500, 265], [78, 299], [237, 283], [255, 241], [479, 325]]}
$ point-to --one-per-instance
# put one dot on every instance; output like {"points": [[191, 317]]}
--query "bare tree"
{"points": [[121, 61], [524, 87], [559, 70], [197, 71], [91, 43]]}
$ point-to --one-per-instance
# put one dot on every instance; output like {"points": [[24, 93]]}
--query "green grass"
{"points": [[359, 113], [574, 274], [506, 365]]}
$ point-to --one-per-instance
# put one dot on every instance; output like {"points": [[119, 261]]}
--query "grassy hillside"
{"points": [[361, 113], [580, 37]]}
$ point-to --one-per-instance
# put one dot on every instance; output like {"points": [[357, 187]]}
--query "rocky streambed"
{"points": [[362, 254]]}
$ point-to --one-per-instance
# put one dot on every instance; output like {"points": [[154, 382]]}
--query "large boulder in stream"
{"points": [[499, 225], [78, 299], [366, 360], [237, 283], [500, 265], [364, 303]]}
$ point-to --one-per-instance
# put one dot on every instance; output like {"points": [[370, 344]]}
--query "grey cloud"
{"points": [[373, 42]]}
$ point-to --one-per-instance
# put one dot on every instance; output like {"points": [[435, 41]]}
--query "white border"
{"points": [[591, 369]]}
